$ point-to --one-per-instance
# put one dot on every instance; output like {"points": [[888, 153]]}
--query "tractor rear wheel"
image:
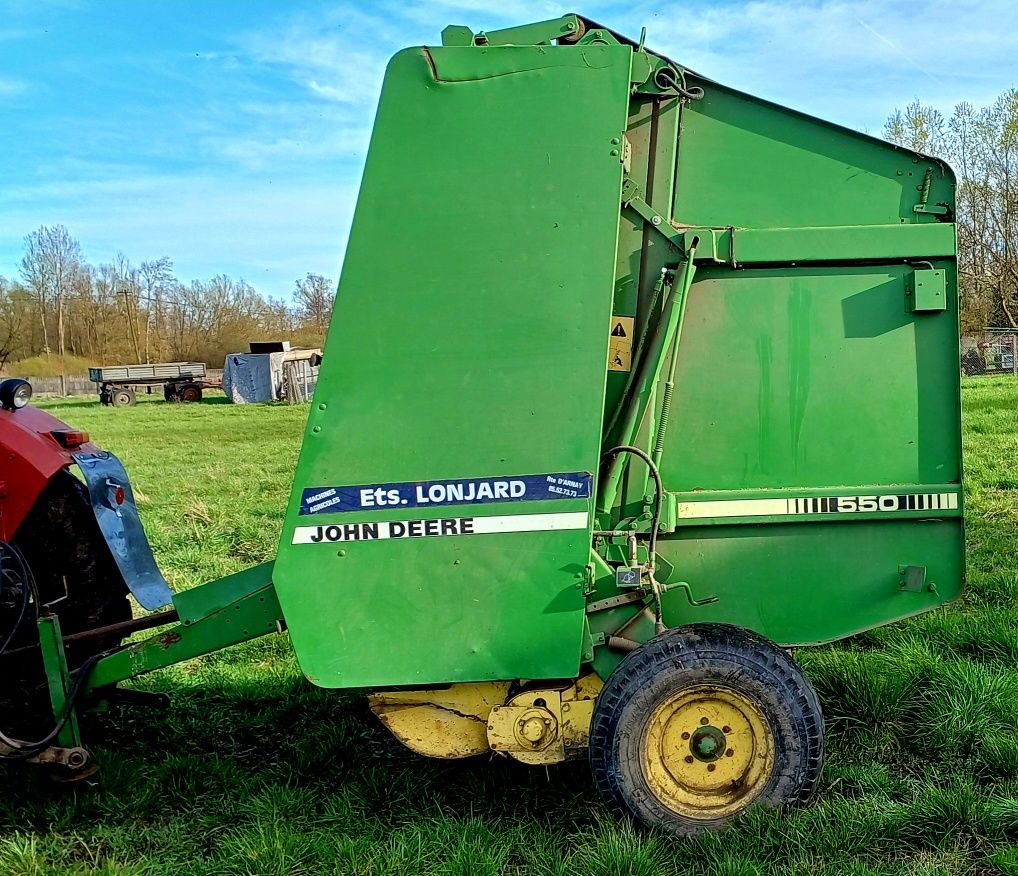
{"points": [[700, 724], [74, 573]]}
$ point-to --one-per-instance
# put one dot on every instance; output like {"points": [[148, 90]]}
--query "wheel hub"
{"points": [[708, 752], [707, 743]]}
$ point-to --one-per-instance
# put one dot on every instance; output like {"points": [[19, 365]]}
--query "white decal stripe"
{"points": [[379, 530], [737, 508], [809, 505], [531, 522]]}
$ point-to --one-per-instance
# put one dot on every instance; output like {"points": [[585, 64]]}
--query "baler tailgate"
{"points": [[447, 524]]}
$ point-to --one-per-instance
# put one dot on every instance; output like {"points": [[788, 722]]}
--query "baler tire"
{"points": [[698, 665], [74, 570]]}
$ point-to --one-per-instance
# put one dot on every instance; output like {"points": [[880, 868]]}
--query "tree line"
{"points": [[981, 145], [123, 311]]}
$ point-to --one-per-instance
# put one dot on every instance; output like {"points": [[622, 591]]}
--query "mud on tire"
{"points": [[628, 759]]}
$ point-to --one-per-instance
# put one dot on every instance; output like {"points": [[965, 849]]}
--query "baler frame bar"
{"points": [[208, 618], [214, 616]]}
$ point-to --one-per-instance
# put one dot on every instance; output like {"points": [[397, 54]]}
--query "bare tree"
{"points": [[156, 280], [15, 312], [52, 257], [982, 147], [315, 296], [123, 311]]}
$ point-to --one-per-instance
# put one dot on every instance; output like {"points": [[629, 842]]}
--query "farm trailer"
{"points": [[533, 513], [118, 385]]}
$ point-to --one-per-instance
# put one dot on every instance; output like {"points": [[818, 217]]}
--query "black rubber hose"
{"points": [[659, 491], [6, 549], [27, 749], [666, 78], [24, 748]]}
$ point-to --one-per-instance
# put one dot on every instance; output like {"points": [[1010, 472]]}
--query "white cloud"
{"points": [[12, 87], [268, 232], [257, 149], [848, 61]]}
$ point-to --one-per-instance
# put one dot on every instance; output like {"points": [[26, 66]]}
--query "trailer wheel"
{"points": [[700, 724], [124, 398], [189, 392]]}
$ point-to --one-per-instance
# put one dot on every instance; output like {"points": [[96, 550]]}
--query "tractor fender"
{"points": [[30, 457], [112, 498]]}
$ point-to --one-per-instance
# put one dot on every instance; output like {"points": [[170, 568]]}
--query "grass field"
{"points": [[253, 771]]}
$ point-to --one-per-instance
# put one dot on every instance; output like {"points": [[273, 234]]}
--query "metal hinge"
{"points": [[924, 196]]}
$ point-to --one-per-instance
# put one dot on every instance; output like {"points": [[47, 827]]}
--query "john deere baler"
{"points": [[634, 382]]}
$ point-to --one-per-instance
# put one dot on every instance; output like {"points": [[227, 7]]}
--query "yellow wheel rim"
{"points": [[708, 752]]}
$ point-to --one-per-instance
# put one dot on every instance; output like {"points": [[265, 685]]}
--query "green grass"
{"points": [[254, 771]]}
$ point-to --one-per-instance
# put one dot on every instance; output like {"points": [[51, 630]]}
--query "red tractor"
{"points": [[71, 545]]}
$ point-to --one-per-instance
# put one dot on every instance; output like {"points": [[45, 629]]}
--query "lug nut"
{"points": [[689, 758], [704, 721], [685, 736], [730, 752], [726, 729], [711, 767]]}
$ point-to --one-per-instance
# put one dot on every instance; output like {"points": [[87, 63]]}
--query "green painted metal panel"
{"points": [[753, 164], [813, 451], [469, 341], [805, 583], [819, 376], [805, 369]]}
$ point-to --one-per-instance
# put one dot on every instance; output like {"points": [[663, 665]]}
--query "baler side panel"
{"points": [[812, 380], [469, 341], [749, 163]]}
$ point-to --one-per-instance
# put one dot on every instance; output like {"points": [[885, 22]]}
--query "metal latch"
{"points": [[913, 579], [632, 196]]}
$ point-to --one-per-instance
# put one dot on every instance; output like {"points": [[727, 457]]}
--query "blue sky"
{"points": [[230, 135]]}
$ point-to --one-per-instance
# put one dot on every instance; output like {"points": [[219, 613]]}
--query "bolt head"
{"points": [[711, 767], [689, 758], [532, 730], [704, 722]]}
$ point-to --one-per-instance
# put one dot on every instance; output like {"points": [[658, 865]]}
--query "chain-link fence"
{"points": [[995, 351]]}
